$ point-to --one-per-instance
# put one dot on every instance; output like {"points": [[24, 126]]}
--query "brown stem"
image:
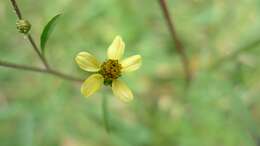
{"points": [[65, 76], [21, 67], [178, 45], [31, 40], [16, 9], [243, 48], [37, 51], [40, 70]]}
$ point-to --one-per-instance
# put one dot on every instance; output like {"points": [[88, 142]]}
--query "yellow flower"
{"points": [[109, 71]]}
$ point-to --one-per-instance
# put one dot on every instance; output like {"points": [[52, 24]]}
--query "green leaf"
{"points": [[47, 31]]}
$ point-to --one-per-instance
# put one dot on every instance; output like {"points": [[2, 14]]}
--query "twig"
{"points": [[29, 37], [39, 70], [16, 9], [178, 45], [21, 67], [47, 69], [244, 48], [65, 76], [37, 51]]}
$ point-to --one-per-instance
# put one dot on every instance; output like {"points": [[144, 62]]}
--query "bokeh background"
{"points": [[221, 107]]}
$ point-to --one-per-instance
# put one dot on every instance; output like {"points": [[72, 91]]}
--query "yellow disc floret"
{"points": [[110, 70]]}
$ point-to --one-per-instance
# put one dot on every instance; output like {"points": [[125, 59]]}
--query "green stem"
{"points": [[105, 113]]}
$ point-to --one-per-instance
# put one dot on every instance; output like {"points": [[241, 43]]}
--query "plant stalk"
{"points": [[178, 44]]}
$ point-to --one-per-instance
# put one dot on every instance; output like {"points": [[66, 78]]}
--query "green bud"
{"points": [[23, 26]]}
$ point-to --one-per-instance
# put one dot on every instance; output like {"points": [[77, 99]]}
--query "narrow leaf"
{"points": [[47, 31]]}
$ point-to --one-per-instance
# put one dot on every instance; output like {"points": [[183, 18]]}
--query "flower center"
{"points": [[110, 70]]}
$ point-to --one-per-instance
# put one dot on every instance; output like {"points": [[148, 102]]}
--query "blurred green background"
{"points": [[221, 107]]}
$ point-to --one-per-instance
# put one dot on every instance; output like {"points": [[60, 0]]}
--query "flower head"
{"points": [[108, 72], [23, 26]]}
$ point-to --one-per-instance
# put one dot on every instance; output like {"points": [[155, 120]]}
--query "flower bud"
{"points": [[23, 26]]}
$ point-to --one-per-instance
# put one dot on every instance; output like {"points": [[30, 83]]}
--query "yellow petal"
{"points": [[87, 62], [121, 91], [116, 49], [92, 84], [131, 63]]}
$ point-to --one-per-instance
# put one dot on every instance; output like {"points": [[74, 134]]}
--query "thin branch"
{"points": [[65, 76], [29, 37], [244, 48], [178, 45], [39, 70], [16, 9], [37, 51], [21, 67]]}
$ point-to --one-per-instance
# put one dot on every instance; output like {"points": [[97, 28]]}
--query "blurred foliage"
{"points": [[221, 108]]}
